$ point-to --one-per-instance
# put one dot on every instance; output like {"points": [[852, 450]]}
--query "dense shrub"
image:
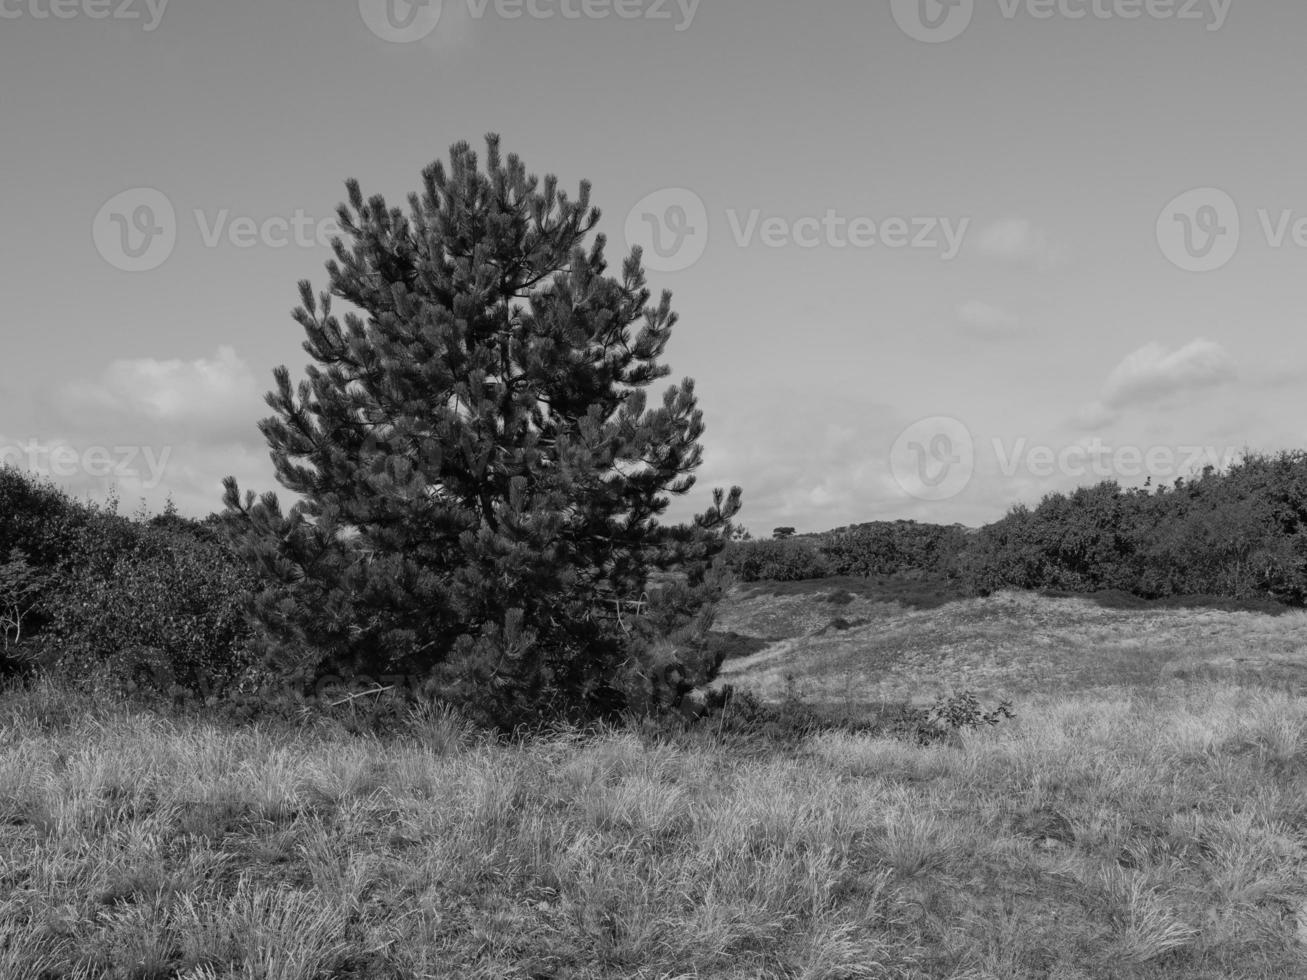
{"points": [[161, 603], [777, 560], [39, 518], [891, 547], [879, 548], [1241, 534], [21, 589], [41, 531], [143, 603]]}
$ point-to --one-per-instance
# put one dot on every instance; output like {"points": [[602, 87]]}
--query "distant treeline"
{"points": [[876, 548], [1239, 533]]}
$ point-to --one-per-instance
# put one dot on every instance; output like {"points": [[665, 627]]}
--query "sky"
{"points": [[930, 258]]}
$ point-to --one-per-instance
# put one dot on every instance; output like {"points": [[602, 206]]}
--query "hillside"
{"points": [[851, 641]]}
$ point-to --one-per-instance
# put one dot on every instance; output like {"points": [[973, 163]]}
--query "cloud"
{"points": [[149, 429], [216, 397], [1017, 240], [1152, 374], [808, 459], [985, 320]]}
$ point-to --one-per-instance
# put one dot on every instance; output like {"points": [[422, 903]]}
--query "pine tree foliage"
{"points": [[479, 470]]}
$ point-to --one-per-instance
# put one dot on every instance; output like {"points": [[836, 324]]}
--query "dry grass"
{"points": [[1149, 833], [1008, 645]]}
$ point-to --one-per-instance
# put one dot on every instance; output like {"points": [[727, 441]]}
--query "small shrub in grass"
{"points": [[740, 718], [953, 713]]}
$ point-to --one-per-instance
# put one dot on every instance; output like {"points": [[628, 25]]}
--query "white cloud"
{"points": [[203, 393], [1152, 373], [813, 459], [149, 429], [1018, 240]]}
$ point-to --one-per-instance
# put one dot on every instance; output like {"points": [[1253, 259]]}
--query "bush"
{"points": [[778, 560], [161, 604], [951, 714], [893, 547], [1239, 534], [879, 548], [42, 531], [740, 718], [21, 587], [150, 604]]}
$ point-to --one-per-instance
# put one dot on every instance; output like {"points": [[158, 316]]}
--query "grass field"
{"points": [[1145, 815]]}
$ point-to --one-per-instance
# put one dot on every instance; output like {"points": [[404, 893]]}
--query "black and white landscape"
{"points": [[585, 489]]}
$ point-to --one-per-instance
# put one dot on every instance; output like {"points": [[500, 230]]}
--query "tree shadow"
{"points": [[910, 590], [1116, 599]]}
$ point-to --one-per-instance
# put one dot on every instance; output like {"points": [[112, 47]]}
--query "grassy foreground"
{"points": [[1149, 832]]}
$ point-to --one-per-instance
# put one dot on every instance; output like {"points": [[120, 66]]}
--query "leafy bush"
{"points": [[162, 604], [954, 713], [41, 533], [1239, 534], [21, 587], [144, 603], [893, 547], [777, 560], [879, 548]]}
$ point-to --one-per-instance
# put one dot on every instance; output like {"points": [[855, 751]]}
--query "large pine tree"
{"points": [[480, 476]]}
